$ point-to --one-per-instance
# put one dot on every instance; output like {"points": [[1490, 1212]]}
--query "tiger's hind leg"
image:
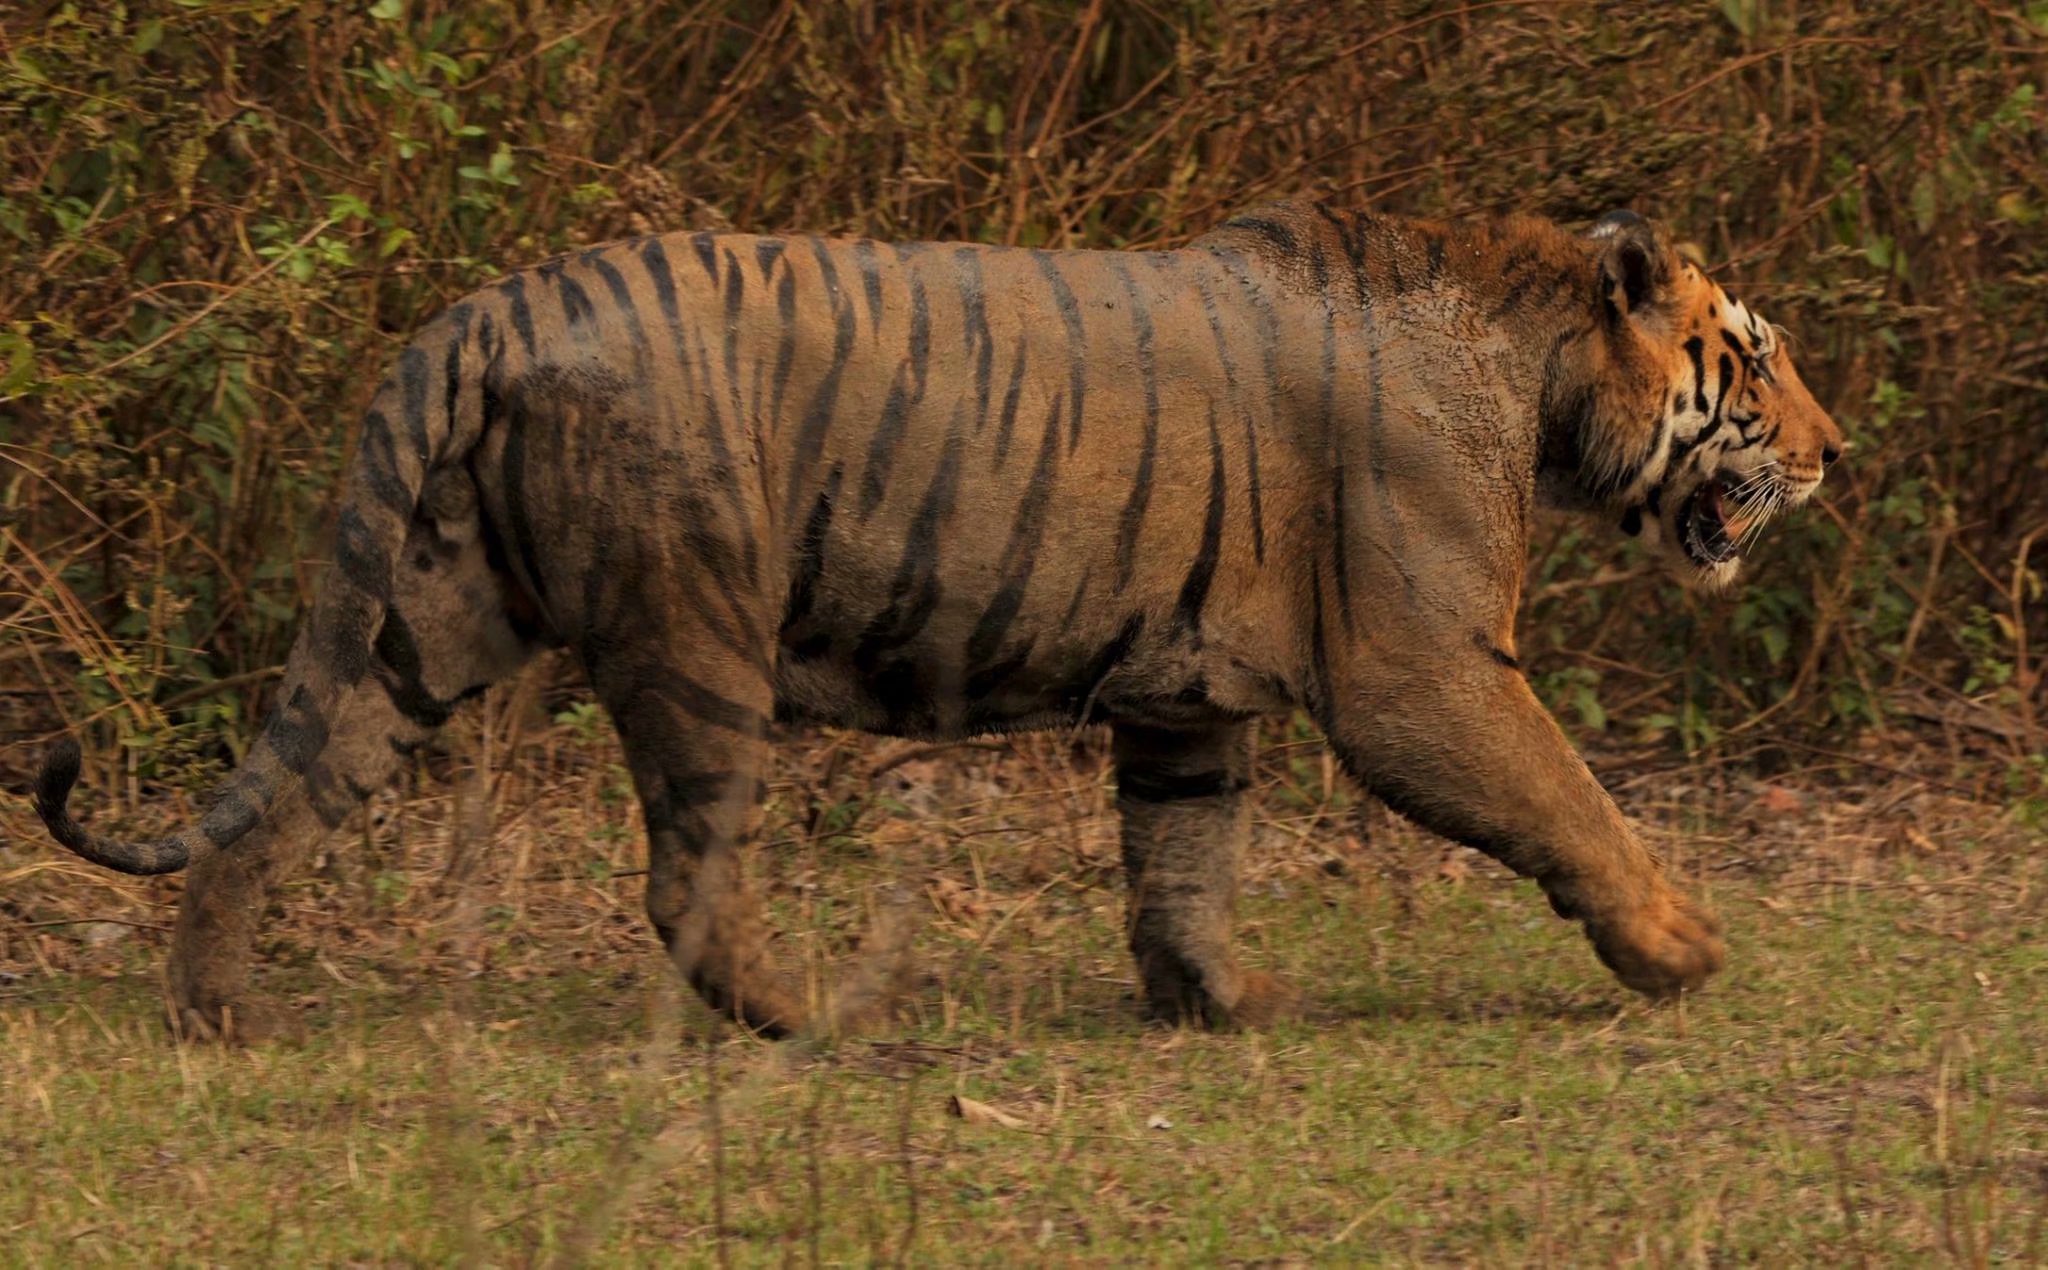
{"points": [[449, 634], [1180, 794]]}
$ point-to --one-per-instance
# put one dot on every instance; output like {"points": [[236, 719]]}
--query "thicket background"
{"points": [[220, 220]]}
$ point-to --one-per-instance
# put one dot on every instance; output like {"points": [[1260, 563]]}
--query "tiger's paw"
{"points": [[1666, 947], [1265, 1001], [249, 1020]]}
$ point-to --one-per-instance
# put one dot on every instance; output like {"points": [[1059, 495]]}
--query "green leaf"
{"points": [[1924, 206], [388, 10], [501, 165], [21, 363], [347, 206], [147, 36], [1591, 712]]}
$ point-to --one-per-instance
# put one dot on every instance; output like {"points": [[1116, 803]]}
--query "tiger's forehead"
{"points": [[1735, 317], [1743, 323]]}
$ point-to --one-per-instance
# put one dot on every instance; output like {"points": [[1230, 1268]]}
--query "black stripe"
{"points": [[1077, 357], [1133, 518], [1320, 693], [401, 674], [1389, 519], [735, 297], [451, 365], [1194, 591], [785, 351], [1334, 452], [810, 560], [1144, 784], [360, 556], [1272, 231], [906, 391], [329, 800], [706, 247], [977, 342], [576, 306], [1695, 348], [679, 804], [869, 262], [296, 733], [522, 316], [1512, 298], [525, 554], [703, 704], [914, 592], [889, 429], [810, 442], [229, 819], [1351, 237], [1007, 422], [654, 259], [622, 296], [920, 331], [1020, 556], [1073, 609], [377, 466], [1251, 434], [412, 392], [1106, 659]]}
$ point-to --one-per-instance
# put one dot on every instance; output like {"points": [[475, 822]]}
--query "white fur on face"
{"points": [[1712, 422]]}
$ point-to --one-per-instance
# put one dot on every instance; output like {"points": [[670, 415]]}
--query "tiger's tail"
{"points": [[408, 428]]}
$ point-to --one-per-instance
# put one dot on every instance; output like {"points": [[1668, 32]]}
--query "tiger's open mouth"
{"points": [[1704, 529]]}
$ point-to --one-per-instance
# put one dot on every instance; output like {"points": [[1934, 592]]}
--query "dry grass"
{"points": [[503, 1070]]}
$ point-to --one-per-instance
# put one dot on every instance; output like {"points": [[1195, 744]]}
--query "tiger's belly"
{"points": [[928, 692]]}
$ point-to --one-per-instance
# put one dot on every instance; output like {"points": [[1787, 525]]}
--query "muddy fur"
{"points": [[936, 490]]}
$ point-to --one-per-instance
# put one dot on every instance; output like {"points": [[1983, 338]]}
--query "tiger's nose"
{"points": [[1828, 455]]}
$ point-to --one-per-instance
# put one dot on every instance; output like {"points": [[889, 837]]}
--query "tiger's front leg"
{"points": [[1460, 744], [1180, 795]]}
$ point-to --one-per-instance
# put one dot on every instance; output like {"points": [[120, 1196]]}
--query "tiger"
{"points": [[940, 490]]}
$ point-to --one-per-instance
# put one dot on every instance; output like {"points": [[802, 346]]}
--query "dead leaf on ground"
{"points": [[1778, 800], [981, 1113]]}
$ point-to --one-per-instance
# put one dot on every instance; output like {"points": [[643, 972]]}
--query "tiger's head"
{"points": [[1694, 424]]}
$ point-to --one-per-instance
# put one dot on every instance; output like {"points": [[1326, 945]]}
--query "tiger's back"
{"points": [[945, 489]]}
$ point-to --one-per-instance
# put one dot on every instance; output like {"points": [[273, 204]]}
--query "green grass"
{"points": [[1467, 1087]]}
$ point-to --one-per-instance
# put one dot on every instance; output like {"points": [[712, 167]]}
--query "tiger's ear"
{"points": [[1635, 264]]}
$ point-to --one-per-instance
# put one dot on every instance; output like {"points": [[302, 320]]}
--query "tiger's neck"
{"points": [[1486, 318]]}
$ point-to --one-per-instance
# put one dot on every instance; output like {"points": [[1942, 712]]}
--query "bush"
{"points": [[220, 215]]}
